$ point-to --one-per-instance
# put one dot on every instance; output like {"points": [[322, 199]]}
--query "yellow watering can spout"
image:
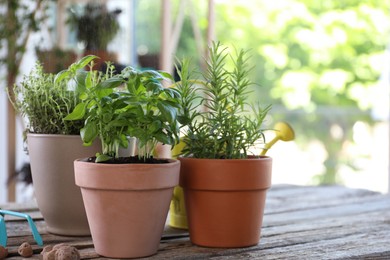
{"points": [[178, 214], [283, 132]]}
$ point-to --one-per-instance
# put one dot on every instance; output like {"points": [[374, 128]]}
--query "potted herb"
{"points": [[53, 144], [127, 198], [224, 184]]}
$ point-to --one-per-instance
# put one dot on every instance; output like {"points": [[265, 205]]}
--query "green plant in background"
{"points": [[226, 130], [18, 20], [149, 20], [319, 63], [94, 25], [44, 100], [133, 103]]}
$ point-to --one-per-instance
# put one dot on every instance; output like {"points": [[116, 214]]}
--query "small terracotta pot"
{"points": [[225, 199], [58, 198], [127, 205]]}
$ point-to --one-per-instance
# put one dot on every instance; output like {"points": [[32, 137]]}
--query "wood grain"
{"points": [[325, 222]]}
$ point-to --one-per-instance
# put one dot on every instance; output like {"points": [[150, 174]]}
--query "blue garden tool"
{"points": [[3, 229]]}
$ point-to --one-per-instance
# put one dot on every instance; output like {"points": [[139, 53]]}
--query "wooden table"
{"points": [[325, 222]]}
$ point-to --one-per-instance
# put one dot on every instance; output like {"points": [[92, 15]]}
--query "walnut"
{"points": [[25, 250], [67, 253], [49, 255], [60, 252], [47, 248]]}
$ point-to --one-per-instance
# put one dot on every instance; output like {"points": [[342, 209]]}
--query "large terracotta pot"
{"points": [[58, 198], [127, 205], [225, 199]]}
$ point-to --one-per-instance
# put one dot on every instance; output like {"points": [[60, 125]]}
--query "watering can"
{"points": [[283, 131], [177, 210]]}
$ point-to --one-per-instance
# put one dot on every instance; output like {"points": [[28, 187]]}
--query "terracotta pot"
{"points": [[58, 198], [225, 199], [127, 205]]}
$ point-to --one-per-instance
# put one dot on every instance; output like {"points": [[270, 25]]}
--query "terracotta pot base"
{"points": [[225, 200], [127, 205], [227, 219]]}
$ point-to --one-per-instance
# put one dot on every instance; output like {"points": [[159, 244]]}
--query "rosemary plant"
{"points": [[45, 103], [229, 126]]}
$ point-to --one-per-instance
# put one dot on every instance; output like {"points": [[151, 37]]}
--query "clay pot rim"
{"points": [[52, 135], [171, 163], [249, 158], [130, 176], [223, 175]]}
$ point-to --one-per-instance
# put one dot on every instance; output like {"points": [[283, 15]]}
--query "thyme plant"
{"points": [[44, 103], [229, 126]]}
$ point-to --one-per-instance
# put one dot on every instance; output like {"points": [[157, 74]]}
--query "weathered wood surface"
{"points": [[326, 222]]}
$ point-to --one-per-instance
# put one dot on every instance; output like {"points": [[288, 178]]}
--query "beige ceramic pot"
{"points": [[57, 196], [127, 205], [225, 199]]}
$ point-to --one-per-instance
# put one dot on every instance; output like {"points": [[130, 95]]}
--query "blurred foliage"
{"points": [[150, 24], [18, 19], [318, 62], [148, 18], [94, 24]]}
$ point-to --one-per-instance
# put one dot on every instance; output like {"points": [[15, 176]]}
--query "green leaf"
{"points": [[107, 118], [156, 125], [151, 74], [83, 96], [167, 111], [163, 138], [87, 144], [60, 76], [166, 75], [173, 93], [124, 142], [80, 79], [89, 132], [88, 81], [102, 158], [129, 72], [119, 122], [78, 112], [85, 61], [110, 83], [153, 86], [104, 92]]}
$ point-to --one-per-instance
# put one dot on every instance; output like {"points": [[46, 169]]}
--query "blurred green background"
{"points": [[320, 63]]}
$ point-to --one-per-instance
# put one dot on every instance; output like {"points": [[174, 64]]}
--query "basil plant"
{"points": [[132, 103]]}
